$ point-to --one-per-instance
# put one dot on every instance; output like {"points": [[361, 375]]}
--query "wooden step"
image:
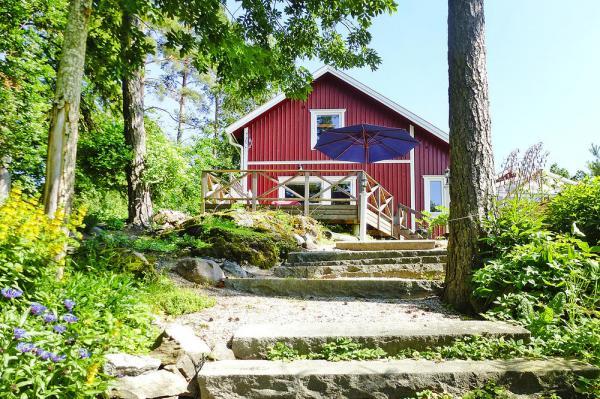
{"points": [[342, 287], [261, 379], [253, 341], [385, 245]]}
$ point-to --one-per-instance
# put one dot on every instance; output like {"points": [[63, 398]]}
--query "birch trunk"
{"points": [[64, 123], [138, 191], [5, 179], [472, 167]]}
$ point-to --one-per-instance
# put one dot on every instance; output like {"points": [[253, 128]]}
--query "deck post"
{"points": [[204, 191], [254, 190], [362, 206], [306, 193]]}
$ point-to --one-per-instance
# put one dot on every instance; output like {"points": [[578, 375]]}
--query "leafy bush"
{"points": [[514, 221], [542, 268], [105, 207], [31, 244], [578, 204]]}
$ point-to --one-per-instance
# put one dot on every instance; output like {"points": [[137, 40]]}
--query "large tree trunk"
{"points": [[181, 117], [138, 191], [63, 135], [471, 159]]}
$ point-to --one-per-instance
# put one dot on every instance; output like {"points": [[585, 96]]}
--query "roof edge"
{"points": [[357, 85]]}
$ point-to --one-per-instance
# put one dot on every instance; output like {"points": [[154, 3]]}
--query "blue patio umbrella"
{"points": [[365, 143]]}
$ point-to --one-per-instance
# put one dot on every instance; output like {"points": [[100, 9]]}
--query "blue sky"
{"points": [[543, 71]]}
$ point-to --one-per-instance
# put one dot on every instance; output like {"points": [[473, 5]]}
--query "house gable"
{"points": [[354, 84]]}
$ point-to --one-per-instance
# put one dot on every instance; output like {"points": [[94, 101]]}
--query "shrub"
{"points": [[541, 268], [514, 221], [578, 204], [31, 244], [105, 207]]}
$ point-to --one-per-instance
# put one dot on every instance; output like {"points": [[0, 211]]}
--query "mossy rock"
{"points": [[257, 249]]}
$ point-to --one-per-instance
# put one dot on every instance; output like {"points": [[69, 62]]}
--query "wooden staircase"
{"points": [[372, 207]]}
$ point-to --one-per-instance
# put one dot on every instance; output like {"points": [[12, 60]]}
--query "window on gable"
{"points": [[434, 193], [323, 120]]}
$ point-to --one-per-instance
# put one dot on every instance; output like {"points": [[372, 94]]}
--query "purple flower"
{"points": [[44, 355], [69, 304], [57, 358], [11, 293], [84, 353], [59, 328], [37, 308], [19, 333], [25, 347], [70, 318], [49, 318]]}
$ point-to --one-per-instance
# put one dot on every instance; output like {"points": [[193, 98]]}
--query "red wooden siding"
{"points": [[283, 134]]}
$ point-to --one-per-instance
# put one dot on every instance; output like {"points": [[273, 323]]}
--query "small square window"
{"points": [[323, 120]]}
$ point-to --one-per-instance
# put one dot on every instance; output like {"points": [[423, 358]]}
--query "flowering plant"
{"points": [[41, 355], [31, 243]]}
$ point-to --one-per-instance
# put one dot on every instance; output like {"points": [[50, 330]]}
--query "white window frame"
{"points": [[427, 192], [313, 121], [317, 179]]}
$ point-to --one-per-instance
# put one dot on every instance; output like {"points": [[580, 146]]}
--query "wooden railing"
{"points": [[373, 205]]}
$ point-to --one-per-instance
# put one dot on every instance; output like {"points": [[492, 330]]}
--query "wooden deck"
{"points": [[359, 199]]}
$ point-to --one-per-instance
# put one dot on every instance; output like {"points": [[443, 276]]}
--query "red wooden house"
{"points": [[277, 139]]}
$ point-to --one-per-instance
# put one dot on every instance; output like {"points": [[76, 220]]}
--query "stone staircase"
{"points": [[409, 273], [250, 376], [405, 274]]}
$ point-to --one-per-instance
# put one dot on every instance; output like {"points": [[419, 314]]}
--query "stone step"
{"points": [[304, 379], [373, 261], [428, 271], [253, 341], [320, 256], [379, 245], [397, 288]]}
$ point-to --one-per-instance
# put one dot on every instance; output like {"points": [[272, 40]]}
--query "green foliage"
{"points": [[341, 349], [107, 208], [578, 204], [545, 281], [432, 221], [515, 221], [542, 267], [594, 164], [167, 298], [173, 181], [31, 33], [102, 156], [476, 348], [489, 391]]}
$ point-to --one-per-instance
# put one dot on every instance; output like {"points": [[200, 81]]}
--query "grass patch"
{"points": [[167, 298]]}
